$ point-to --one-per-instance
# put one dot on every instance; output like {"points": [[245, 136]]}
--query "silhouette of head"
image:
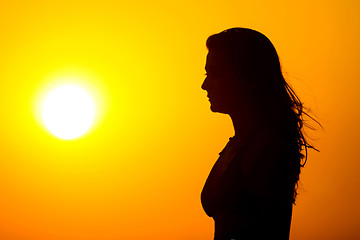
{"points": [[242, 68]]}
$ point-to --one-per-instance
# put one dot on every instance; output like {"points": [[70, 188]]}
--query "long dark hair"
{"points": [[254, 58]]}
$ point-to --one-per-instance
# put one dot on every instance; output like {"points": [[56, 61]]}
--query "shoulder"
{"points": [[268, 148], [270, 141], [267, 167]]}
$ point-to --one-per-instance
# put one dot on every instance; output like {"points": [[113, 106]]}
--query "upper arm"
{"points": [[267, 170]]}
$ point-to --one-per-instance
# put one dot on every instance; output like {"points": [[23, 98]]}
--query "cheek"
{"points": [[222, 85], [229, 91], [224, 97]]}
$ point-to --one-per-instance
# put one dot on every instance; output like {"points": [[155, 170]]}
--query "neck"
{"points": [[245, 124]]}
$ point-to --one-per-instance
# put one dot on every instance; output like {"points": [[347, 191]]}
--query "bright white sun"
{"points": [[68, 111]]}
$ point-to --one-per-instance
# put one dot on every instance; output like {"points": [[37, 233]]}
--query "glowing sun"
{"points": [[68, 111]]}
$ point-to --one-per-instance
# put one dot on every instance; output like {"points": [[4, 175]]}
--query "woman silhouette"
{"points": [[252, 186]]}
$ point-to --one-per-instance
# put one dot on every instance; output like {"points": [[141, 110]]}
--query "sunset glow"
{"points": [[106, 133], [68, 112]]}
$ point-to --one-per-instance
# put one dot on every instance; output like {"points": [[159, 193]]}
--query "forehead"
{"points": [[216, 60]]}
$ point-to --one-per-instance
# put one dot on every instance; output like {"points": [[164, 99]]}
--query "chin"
{"points": [[217, 109]]}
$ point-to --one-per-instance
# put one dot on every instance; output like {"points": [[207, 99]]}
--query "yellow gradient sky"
{"points": [[139, 171]]}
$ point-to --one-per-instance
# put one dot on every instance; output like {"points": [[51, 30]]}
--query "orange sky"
{"points": [[138, 173]]}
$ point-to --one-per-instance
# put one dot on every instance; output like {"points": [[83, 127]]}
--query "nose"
{"points": [[204, 85]]}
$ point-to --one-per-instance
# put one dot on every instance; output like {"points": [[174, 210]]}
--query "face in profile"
{"points": [[222, 86]]}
